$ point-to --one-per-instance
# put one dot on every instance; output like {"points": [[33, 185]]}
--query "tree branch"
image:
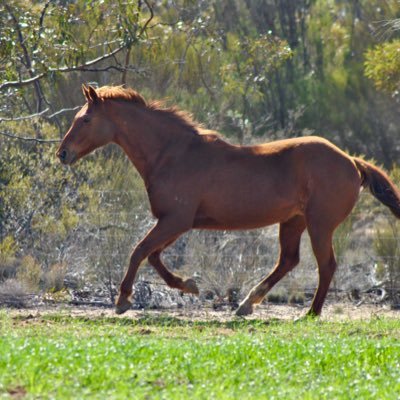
{"points": [[82, 67], [144, 27], [64, 69], [30, 139], [63, 110], [41, 26], [27, 57], [40, 114], [24, 116], [21, 83]]}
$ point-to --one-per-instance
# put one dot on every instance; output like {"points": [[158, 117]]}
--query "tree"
{"points": [[43, 43], [382, 65]]}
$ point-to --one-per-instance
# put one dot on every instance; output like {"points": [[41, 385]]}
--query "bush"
{"points": [[53, 279], [29, 273], [13, 293], [387, 246], [8, 249]]}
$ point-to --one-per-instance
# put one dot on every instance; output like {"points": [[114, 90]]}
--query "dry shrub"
{"points": [[53, 279], [12, 288], [230, 263], [278, 295], [387, 247], [297, 298], [12, 293], [8, 270], [29, 273]]}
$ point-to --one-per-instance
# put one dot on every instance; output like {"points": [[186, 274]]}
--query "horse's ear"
{"points": [[85, 90], [90, 93], [93, 94]]}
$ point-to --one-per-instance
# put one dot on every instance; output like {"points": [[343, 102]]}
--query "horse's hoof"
{"points": [[122, 306], [189, 286], [244, 309]]}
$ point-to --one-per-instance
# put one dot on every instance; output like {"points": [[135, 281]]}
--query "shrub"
{"points": [[8, 249], [29, 273], [53, 279], [387, 246]]}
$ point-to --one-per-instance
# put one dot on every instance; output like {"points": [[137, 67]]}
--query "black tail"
{"points": [[380, 185]]}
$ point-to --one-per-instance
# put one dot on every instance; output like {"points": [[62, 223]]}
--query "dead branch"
{"points": [[24, 117], [30, 139], [63, 110], [64, 69]]}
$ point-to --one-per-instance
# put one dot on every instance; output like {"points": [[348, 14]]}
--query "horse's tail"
{"points": [[380, 185]]}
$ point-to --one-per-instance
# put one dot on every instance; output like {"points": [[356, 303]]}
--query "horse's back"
{"points": [[269, 183]]}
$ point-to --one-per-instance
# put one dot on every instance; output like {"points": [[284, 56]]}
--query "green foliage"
{"points": [[171, 358], [382, 65], [46, 207], [8, 250]]}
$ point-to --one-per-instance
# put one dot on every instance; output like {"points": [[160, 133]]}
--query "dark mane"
{"points": [[130, 95]]}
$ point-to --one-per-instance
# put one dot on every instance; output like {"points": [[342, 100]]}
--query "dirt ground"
{"points": [[330, 312]]}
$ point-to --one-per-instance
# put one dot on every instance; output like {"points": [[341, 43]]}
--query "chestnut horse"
{"points": [[195, 180]]}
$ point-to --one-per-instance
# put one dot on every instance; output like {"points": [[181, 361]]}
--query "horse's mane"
{"points": [[130, 95], [120, 93]]}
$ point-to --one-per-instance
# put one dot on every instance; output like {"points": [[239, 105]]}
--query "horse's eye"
{"points": [[86, 120]]}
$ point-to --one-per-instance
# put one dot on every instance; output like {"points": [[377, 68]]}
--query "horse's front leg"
{"points": [[171, 279], [163, 232]]}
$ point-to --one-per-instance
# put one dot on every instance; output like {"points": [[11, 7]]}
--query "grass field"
{"points": [[64, 357]]}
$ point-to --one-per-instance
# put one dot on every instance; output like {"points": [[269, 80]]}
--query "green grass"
{"points": [[62, 357]]}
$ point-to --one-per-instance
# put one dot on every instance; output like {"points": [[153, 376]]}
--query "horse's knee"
{"points": [[154, 258], [289, 261]]}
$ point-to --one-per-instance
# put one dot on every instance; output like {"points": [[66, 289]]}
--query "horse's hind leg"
{"points": [[321, 241], [289, 237], [171, 279]]}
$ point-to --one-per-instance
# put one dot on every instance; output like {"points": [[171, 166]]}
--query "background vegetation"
{"points": [[255, 70]]}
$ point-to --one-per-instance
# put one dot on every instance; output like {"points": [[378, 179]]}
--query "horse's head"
{"points": [[90, 129]]}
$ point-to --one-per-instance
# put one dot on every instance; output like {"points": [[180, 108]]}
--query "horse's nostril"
{"points": [[63, 155]]}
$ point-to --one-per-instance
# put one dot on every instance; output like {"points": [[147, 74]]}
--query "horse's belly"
{"points": [[243, 216]]}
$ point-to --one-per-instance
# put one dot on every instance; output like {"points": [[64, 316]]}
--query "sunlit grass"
{"points": [[162, 357]]}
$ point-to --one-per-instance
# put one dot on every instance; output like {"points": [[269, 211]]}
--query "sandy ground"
{"points": [[330, 312]]}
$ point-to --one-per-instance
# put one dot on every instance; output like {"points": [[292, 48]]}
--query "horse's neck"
{"points": [[143, 137]]}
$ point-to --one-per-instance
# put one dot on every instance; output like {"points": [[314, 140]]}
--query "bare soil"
{"points": [[331, 312]]}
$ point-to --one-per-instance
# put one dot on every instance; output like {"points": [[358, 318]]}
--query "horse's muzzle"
{"points": [[66, 157]]}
